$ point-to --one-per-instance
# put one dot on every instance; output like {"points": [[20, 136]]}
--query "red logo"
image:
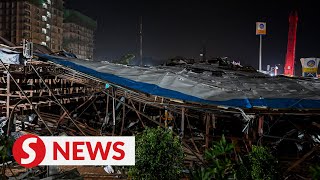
{"points": [[29, 150]]}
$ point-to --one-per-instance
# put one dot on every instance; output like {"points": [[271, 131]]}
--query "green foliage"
{"points": [[243, 172], [6, 144], [159, 155], [243, 168], [315, 172], [259, 164], [220, 162], [201, 174], [263, 164]]}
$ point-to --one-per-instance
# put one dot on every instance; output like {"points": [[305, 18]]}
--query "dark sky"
{"points": [[175, 27]]}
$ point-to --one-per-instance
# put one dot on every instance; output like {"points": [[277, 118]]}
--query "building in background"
{"points": [[40, 21], [78, 34]]}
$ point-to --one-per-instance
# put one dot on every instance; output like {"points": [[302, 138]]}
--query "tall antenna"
{"points": [[140, 35]]}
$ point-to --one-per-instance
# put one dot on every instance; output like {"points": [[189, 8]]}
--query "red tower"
{"points": [[291, 48]]}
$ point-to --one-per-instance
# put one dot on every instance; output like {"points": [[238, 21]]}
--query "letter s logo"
{"points": [[29, 150], [26, 148]]}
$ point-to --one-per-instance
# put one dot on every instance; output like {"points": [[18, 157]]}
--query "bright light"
{"points": [[44, 18], [48, 14], [44, 31], [44, 5]]}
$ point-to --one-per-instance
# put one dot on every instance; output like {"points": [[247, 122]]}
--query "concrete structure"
{"points": [[78, 34], [40, 21]]}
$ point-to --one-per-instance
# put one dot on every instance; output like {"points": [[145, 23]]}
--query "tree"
{"points": [[220, 164], [159, 155], [263, 164]]}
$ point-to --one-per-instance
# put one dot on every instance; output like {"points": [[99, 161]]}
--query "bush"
{"points": [[315, 172], [6, 144], [262, 164], [221, 164], [219, 160], [159, 155]]}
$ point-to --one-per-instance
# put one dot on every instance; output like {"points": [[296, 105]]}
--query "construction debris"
{"points": [[56, 95]]}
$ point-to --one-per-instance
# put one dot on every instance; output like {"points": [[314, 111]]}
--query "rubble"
{"points": [[55, 95]]}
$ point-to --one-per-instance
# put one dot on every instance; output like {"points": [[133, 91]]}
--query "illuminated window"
{"points": [[43, 43], [47, 38], [48, 26], [48, 14], [49, 1], [44, 18], [44, 5], [44, 31]]}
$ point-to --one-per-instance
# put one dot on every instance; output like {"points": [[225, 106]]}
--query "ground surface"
{"points": [[87, 172]]}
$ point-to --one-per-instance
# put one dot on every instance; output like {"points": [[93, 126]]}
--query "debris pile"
{"points": [[200, 102]]}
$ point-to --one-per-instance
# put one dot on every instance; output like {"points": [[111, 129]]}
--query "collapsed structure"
{"points": [[59, 95]]}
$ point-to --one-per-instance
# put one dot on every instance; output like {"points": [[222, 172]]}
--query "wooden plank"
{"points": [[182, 121], [123, 116], [207, 120], [302, 159], [8, 96]]}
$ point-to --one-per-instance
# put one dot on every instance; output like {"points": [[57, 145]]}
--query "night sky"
{"points": [[179, 28]]}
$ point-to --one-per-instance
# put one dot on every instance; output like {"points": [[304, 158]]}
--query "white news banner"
{"points": [[30, 150]]}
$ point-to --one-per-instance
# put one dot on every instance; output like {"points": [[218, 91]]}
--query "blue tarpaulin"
{"points": [[153, 89]]}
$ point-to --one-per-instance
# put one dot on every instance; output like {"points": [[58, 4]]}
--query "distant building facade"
{"points": [[78, 34], [40, 21]]}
